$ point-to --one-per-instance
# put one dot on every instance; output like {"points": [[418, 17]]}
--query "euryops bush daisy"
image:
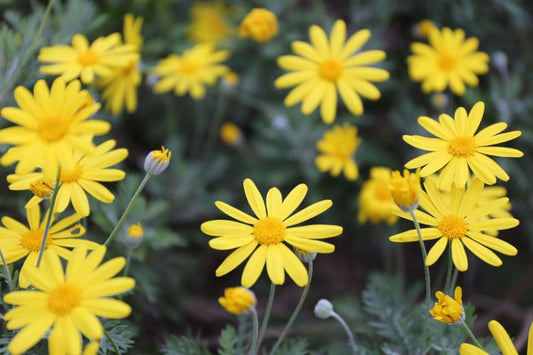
{"points": [[337, 149], [375, 199], [505, 344]]}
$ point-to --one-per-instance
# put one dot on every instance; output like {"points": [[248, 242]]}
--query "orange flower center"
{"points": [[52, 129], [453, 227], [447, 62], [72, 175], [269, 230], [462, 146], [188, 67], [330, 69], [382, 193], [88, 58], [64, 298], [32, 240]]}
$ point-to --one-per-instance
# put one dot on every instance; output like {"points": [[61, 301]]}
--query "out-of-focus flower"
{"points": [[211, 22], [86, 61], [375, 200], [264, 237], [424, 27], [238, 300], [327, 66], [230, 134], [134, 235], [191, 71], [502, 339], [405, 190], [448, 60], [157, 161], [259, 24], [457, 148], [456, 218], [449, 310], [229, 80], [439, 100], [337, 149]]}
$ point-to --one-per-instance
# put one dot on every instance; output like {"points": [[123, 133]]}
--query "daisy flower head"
{"points": [[191, 71], [325, 66], [447, 309], [67, 302], [448, 60], [83, 178], [375, 200], [18, 240], [456, 218], [405, 189], [211, 22], [86, 61], [458, 149], [337, 149], [238, 300], [50, 124], [504, 342], [264, 236], [259, 24]]}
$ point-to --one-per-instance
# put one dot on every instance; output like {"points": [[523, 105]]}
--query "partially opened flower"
{"points": [[447, 309], [405, 189], [260, 25], [238, 300], [505, 344], [375, 199], [157, 161], [457, 219], [326, 66], [448, 60], [457, 148], [264, 237], [337, 149], [67, 302]]}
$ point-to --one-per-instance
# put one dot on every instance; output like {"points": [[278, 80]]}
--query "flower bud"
{"points": [[230, 134], [238, 300], [448, 310], [323, 309], [134, 236], [305, 256], [260, 25], [157, 161], [405, 190]]}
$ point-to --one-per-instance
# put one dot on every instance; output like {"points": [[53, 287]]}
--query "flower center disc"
{"points": [[64, 298], [453, 227], [269, 230], [462, 146], [382, 193], [72, 175], [88, 57], [330, 69], [32, 240], [446, 62], [52, 129], [188, 67]]}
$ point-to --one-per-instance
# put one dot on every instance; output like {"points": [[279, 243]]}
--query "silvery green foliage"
{"points": [[183, 345], [227, 341], [121, 334], [296, 346]]}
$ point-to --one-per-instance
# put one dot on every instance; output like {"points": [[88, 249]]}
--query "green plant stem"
{"points": [[49, 219], [266, 316], [424, 257], [471, 335], [128, 208], [255, 332], [296, 310], [347, 329], [7, 273], [454, 279], [128, 260], [115, 347], [220, 110], [447, 285]]}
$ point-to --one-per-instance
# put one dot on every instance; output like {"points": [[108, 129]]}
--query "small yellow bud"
{"points": [[41, 188], [449, 310], [260, 24], [424, 27], [157, 161], [230, 134], [405, 190], [238, 300], [134, 235], [439, 100], [304, 255], [230, 80]]}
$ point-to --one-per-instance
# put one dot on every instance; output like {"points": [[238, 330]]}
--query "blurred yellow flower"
{"points": [[337, 149], [375, 199], [424, 27], [457, 148], [211, 22], [67, 302], [325, 67], [264, 237], [448, 60], [449, 310], [259, 24], [230, 80], [460, 221], [86, 61], [238, 300], [230, 134], [191, 71], [505, 344], [405, 190], [51, 123]]}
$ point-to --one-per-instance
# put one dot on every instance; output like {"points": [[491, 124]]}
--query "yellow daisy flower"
{"points": [[375, 200], [259, 24], [50, 125], [238, 300], [337, 148], [120, 87], [191, 71], [448, 60], [322, 68], [230, 134], [210, 22], [505, 344], [67, 302], [264, 237], [460, 221], [84, 177], [447, 309], [19, 241], [457, 148]]}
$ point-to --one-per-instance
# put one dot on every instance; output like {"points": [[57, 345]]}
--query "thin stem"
{"points": [[7, 273], [266, 316], [128, 208], [296, 310], [49, 218], [255, 333], [220, 109], [454, 279], [471, 335], [424, 257], [128, 260], [115, 347], [347, 329], [447, 285]]}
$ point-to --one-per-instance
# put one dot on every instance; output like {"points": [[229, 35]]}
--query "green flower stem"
{"points": [[347, 329], [255, 333], [113, 344], [266, 316], [447, 285], [128, 260], [128, 208], [296, 310], [424, 257], [454, 279], [7, 273], [471, 335], [49, 218], [220, 110]]}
